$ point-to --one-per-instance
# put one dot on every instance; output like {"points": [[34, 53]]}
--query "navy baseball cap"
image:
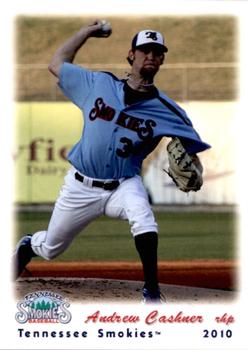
{"points": [[148, 36]]}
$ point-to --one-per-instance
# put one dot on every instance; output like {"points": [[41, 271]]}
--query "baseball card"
{"points": [[123, 201]]}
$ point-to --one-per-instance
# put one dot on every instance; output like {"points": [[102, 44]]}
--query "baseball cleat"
{"points": [[22, 256], [152, 297]]}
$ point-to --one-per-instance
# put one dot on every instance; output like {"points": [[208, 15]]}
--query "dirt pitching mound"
{"points": [[90, 290]]}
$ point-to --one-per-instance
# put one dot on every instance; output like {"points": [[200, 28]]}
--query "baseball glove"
{"points": [[184, 169]]}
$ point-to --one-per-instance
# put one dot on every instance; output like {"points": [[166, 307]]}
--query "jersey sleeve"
{"points": [[76, 83]]}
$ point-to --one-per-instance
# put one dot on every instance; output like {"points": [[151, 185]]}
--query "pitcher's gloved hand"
{"points": [[184, 169]]}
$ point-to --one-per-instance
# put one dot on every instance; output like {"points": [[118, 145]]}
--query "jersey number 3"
{"points": [[127, 148]]}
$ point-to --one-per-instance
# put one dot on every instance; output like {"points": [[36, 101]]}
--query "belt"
{"points": [[108, 186]]}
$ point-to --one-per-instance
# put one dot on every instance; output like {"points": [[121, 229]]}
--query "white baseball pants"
{"points": [[79, 203]]}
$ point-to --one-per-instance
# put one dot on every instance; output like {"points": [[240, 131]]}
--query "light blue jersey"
{"points": [[116, 138]]}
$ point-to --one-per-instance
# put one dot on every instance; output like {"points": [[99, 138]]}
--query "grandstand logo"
{"points": [[43, 307]]}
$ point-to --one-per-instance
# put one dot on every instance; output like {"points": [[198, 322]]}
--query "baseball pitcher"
{"points": [[124, 120]]}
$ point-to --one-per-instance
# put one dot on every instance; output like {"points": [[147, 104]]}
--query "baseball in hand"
{"points": [[106, 29]]}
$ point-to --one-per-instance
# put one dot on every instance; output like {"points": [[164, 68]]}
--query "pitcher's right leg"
{"points": [[75, 208]]}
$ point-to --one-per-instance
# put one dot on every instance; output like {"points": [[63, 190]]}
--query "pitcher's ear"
{"points": [[130, 57], [162, 59]]}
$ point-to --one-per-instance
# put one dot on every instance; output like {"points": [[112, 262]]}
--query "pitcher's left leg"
{"points": [[130, 202], [147, 246]]}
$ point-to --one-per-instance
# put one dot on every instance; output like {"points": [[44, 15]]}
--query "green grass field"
{"points": [[182, 236]]}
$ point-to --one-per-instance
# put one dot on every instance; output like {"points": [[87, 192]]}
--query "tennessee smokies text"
{"points": [[101, 333], [152, 317]]}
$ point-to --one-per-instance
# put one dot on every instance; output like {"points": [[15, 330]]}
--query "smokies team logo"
{"points": [[43, 307]]}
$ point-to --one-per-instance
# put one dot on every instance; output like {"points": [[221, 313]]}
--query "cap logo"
{"points": [[151, 35]]}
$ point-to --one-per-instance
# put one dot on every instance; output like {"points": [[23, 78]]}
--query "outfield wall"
{"points": [[45, 131]]}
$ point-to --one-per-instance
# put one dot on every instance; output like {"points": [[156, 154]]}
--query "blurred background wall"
{"points": [[200, 73]]}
